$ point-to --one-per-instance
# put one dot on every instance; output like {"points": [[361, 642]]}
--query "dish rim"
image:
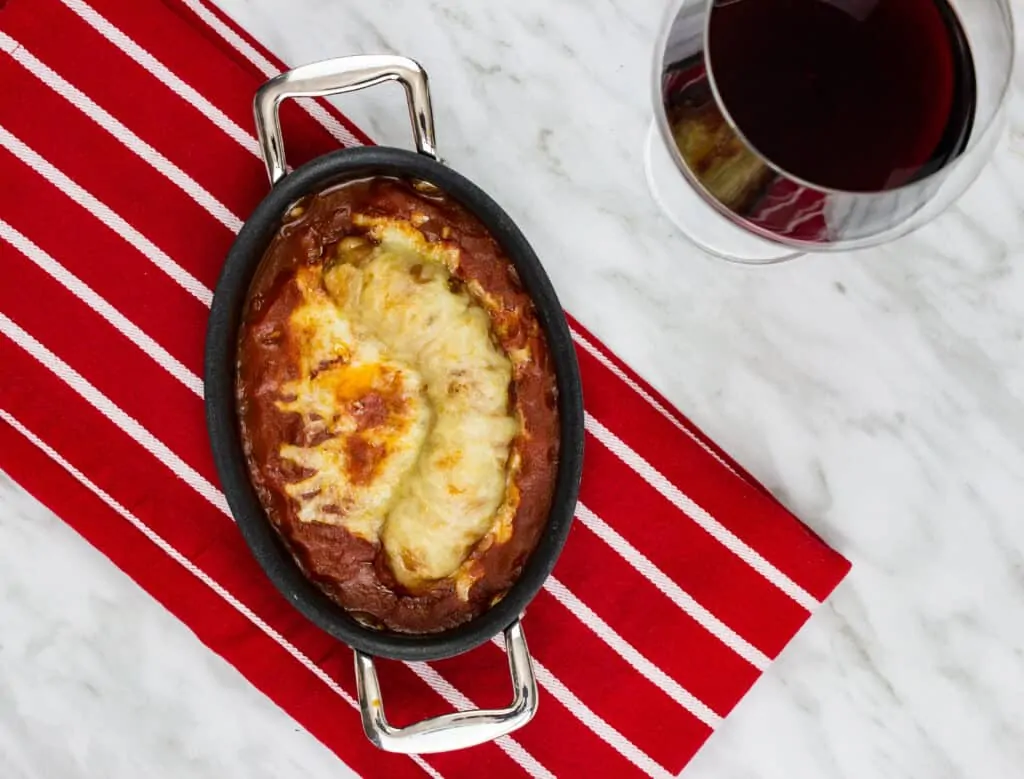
{"points": [[230, 296]]}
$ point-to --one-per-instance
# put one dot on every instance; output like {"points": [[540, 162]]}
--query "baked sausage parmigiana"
{"points": [[397, 404]]}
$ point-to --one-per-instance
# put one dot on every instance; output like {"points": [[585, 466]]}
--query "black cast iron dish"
{"points": [[330, 77]]}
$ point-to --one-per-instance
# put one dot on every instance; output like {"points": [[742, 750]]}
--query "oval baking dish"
{"points": [[221, 361]]}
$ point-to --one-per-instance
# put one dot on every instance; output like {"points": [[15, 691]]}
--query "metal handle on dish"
{"points": [[331, 77], [451, 731]]}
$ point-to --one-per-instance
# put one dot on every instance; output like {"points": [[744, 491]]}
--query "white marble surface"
{"points": [[879, 395]]}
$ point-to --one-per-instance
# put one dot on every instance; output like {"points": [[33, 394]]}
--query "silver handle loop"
{"points": [[334, 76], [451, 731]]}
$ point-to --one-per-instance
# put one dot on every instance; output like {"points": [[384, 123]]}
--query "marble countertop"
{"points": [[879, 395]]}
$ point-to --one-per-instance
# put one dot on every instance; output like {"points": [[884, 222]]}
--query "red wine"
{"points": [[858, 95]]}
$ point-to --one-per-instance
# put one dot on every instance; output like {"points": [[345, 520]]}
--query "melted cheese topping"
{"points": [[365, 416], [404, 399]]}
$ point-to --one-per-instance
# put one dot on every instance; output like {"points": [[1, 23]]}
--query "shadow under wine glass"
{"points": [[739, 204]]}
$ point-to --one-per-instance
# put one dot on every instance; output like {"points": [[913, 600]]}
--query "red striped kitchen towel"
{"points": [[128, 161]]}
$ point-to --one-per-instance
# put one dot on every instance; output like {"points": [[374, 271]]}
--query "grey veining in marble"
{"points": [[880, 395]]}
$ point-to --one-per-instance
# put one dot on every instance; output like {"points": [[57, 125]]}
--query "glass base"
{"points": [[698, 220]]}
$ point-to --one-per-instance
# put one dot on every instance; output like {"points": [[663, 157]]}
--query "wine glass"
{"points": [[783, 127]]}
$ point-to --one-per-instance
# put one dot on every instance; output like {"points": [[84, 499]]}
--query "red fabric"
{"points": [[682, 577]]}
